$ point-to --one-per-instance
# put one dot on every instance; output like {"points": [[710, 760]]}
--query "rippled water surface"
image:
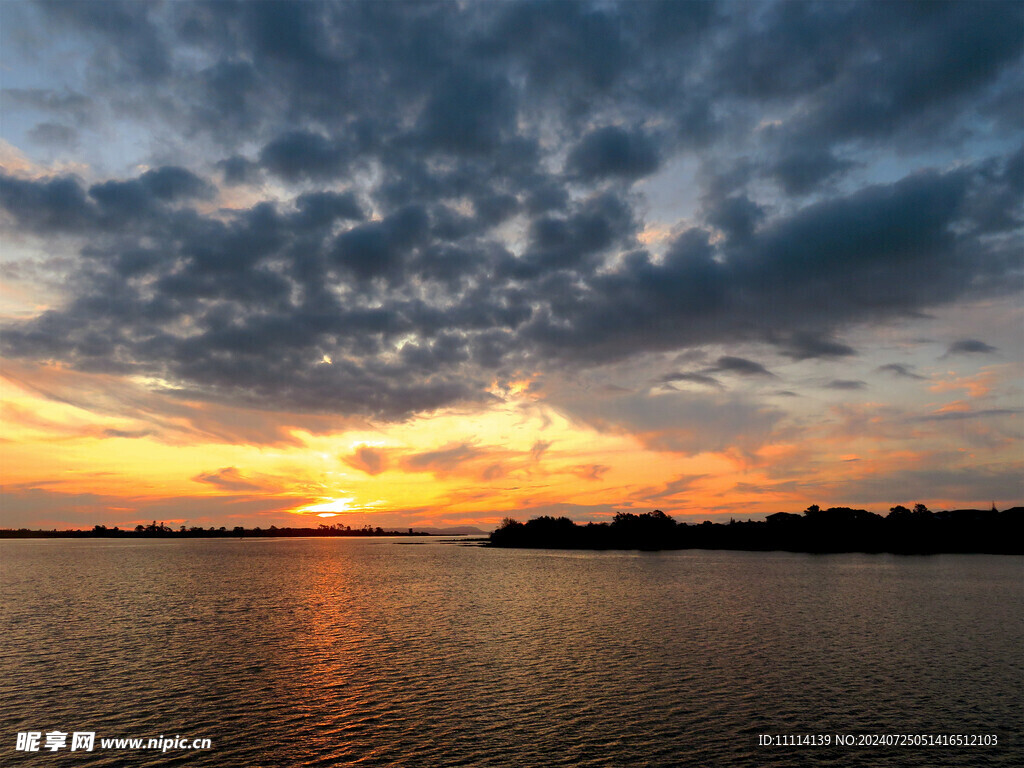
{"points": [[382, 652]]}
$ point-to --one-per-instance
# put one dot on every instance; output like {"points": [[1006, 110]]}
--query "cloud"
{"points": [[322, 209], [740, 366], [131, 434], [899, 369], [171, 184], [669, 491], [468, 113], [970, 347], [590, 471], [825, 61], [539, 448], [167, 415], [674, 422], [63, 103], [443, 460], [298, 155], [141, 50], [978, 385], [696, 378], [372, 461], [378, 248], [806, 345], [737, 216], [975, 485], [443, 193], [960, 415], [276, 316], [846, 384], [613, 151], [54, 135], [53, 205], [799, 171], [238, 170], [228, 479], [493, 472]]}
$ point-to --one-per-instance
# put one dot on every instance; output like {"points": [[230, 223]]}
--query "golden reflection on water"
{"points": [[336, 652]]}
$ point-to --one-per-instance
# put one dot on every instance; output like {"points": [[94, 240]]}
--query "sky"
{"points": [[432, 264]]}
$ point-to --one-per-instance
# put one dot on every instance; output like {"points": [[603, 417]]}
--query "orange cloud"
{"points": [[229, 479], [590, 471], [442, 461], [366, 459], [14, 162], [978, 385]]}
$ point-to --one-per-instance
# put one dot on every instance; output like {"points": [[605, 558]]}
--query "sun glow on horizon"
{"points": [[331, 508]]}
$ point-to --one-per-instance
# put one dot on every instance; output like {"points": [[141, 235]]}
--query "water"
{"points": [[380, 652]]}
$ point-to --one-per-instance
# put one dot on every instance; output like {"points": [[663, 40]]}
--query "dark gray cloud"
{"points": [[846, 385], [54, 135], [238, 170], [377, 248], [800, 171], [806, 345], [55, 205], [696, 378], [322, 209], [865, 71], [66, 104], [737, 216], [966, 415], [171, 184], [455, 191], [299, 155], [970, 347], [613, 151], [267, 293], [856, 70], [900, 369], [143, 50], [739, 365], [467, 113]]}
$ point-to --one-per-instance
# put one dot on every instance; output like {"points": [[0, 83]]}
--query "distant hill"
{"points": [[455, 530]]}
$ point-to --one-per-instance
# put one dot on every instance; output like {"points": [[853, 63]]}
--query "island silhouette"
{"points": [[837, 529]]}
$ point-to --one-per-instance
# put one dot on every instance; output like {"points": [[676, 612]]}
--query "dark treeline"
{"points": [[159, 530], [839, 529]]}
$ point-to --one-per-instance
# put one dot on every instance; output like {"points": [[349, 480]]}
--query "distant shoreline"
{"points": [[101, 532], [839, 529]]}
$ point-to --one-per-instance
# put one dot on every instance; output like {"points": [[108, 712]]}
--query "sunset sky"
{"points": [[440, 263]]}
